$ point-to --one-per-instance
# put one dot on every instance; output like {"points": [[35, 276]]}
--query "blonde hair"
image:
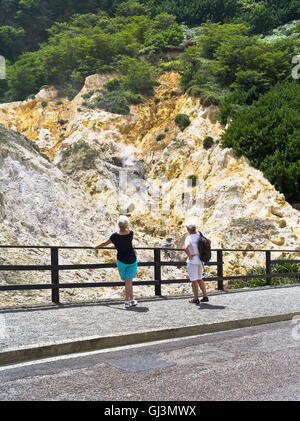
{"points": [[123, 222]]}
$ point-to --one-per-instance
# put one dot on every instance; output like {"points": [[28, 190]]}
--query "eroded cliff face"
{"points": [[93, 149], [40, 206]]}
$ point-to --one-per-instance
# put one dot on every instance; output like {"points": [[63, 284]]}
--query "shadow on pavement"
{"points": [[136, 309], [210, 307]]}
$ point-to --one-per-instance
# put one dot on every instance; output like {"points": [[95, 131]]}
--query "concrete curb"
{"points": [[93, 344]]}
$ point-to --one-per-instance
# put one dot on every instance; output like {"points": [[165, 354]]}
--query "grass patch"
{"points": [[261, 282]]}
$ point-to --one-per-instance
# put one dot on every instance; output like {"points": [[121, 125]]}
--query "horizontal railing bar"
{"points": [[87, 248], [26, 287], [89, 266], [85, 285], [58, 247], [184, 264], [108, 265], [57, 267], [266, 275], [144, 248], [67, 267], [71, 285], [216, 278], [92, 284], [264, 250], [138, 283]]}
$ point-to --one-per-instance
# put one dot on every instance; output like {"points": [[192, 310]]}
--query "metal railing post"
{"points": [[54, 275], [157, 270], [268, 267], [220, 269]]}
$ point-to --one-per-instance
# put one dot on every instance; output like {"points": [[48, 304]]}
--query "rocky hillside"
{"points": [[41, 205], [70, 195]]}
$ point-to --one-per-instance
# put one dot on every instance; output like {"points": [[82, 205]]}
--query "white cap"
{"points": [[191, 225]]}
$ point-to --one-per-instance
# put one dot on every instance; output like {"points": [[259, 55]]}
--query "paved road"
{"points": [[256, 363]]}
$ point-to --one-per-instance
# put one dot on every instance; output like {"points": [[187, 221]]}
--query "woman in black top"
{"points": [[126, 257]]}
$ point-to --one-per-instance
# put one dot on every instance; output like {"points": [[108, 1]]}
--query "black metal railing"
{"points": [[157, 263]]}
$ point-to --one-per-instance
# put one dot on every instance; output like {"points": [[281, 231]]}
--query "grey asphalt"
{"points": [[55, 330], [256, 363]]}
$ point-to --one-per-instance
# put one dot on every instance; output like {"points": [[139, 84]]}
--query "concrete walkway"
{"points": [[57, 330]]}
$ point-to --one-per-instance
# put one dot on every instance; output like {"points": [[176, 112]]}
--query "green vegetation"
{"points": [[88, 95], [113, 102], [268, 133], [229, 67], [262, 15], [60, 43], [208, 142], [119, 93], [62, 122], [250, 79], [240, 61], [24, 24], [182, 121], [92, 43], [194, 179], [160, 137], [260, 282]]}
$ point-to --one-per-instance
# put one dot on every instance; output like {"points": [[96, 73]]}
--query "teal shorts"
{"points": [[127, 271]]}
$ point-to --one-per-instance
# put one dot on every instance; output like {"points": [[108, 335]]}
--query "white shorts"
{"points": [[195, 271]]}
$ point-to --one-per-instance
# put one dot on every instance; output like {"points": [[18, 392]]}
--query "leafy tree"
{"points": [[139, 77], [25, 77], [231, 103], [215, 34], [261, 15], [193, 12], [131, 8], [163, 21], [11, 41], [36, 16], [268, 133], [228, 64], [163, 31], [260, 19]]}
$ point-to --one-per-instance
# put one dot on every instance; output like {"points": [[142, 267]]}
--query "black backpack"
{"points": [[204, 248]]}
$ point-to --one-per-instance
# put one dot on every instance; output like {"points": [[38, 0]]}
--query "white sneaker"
{"points": [[127, 304], [133, 302]]}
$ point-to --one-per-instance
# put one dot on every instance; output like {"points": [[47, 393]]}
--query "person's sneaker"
{"points": [[127, 304], [133, 302], [204, 300]]}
